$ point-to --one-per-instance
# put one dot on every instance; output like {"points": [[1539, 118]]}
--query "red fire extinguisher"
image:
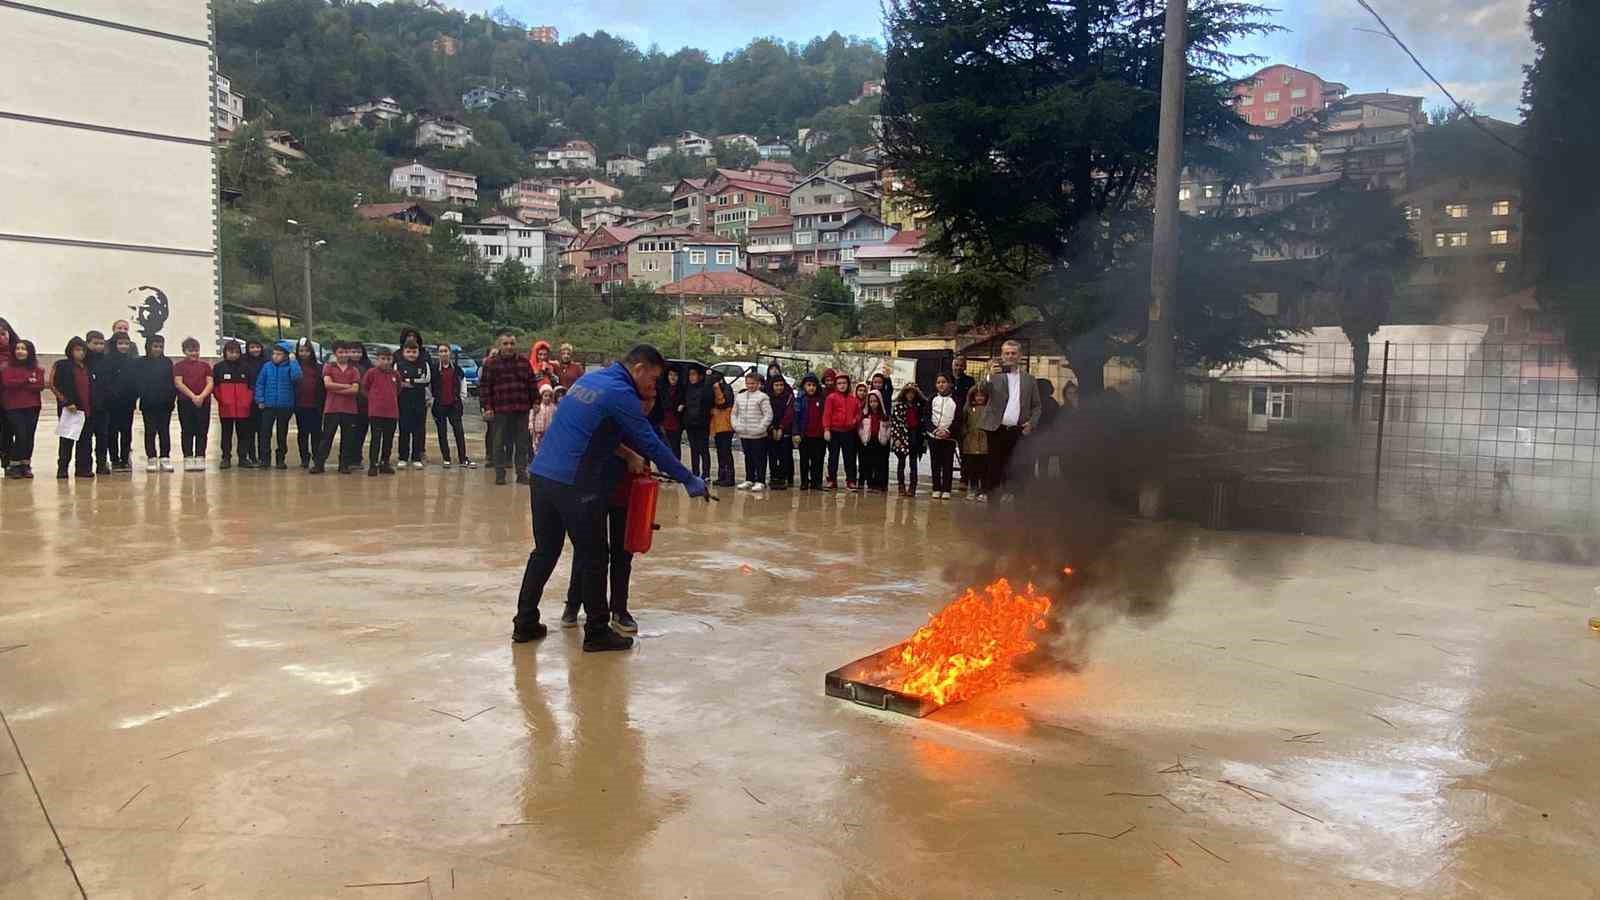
{"points": [[643, 491]]}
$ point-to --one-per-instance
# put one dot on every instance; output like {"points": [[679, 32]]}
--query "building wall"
{"points": [[91, 216], [1254, 103], [693, 259]]}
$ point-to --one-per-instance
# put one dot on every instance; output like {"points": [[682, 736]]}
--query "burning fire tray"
{"points": [[854, 682]]}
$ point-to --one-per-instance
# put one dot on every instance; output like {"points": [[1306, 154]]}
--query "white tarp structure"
{"points": [[107, 152], [1418, 351]]}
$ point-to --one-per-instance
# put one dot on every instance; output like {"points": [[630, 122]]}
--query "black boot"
{"points": [[61, 471], [601, 639], [533, 632], [283, 460], [228, 463]]}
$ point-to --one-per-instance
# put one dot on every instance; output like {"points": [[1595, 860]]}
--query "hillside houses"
{"points": [[621, 165], [443, 131], [576, 154], [425, 182], [378, 111], [532, 200], [483, 99]]}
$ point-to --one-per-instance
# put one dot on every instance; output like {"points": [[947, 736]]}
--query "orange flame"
{"points": [[973, 644]]}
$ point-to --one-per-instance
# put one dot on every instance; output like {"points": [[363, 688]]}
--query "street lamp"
{"points": [[307, 246]]}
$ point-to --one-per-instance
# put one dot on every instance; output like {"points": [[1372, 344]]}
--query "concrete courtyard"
{"points": [[259, 684]]}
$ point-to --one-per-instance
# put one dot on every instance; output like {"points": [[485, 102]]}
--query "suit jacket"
{"points": [[999, 395]]}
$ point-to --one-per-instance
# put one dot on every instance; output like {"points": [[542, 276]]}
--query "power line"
{"points": [[1389, 33]]}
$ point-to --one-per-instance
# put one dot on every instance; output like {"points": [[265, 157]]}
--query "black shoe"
{"points": [[372, 471], [61, 471], [533, 632], [522, 478], [315, 469], [84, 473], [228, 464], [622, 623], [304, 464], [282, 463], [569, 617], [344, 470], [603, 639], [102, 469], [386, 469], [499, 476]]}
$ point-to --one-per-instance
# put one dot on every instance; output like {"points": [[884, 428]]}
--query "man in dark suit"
{"points": [[1013, 412]]}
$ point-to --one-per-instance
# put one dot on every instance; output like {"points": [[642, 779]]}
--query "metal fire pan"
{"points": [[855, 682]]}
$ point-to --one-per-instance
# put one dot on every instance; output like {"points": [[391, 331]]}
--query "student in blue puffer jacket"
{"points": [[275, 393]]}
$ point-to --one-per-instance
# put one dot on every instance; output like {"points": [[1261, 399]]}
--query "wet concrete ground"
{"points": [[262, 684]]}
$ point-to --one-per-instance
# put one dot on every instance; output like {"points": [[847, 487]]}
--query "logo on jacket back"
{"points": [[582, 394]]}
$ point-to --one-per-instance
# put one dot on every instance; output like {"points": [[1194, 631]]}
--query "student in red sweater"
{"points": [[449, 389], [341, 382], [809, 422], [381, 385], [841, 413], [192, 376], [21, 380]]}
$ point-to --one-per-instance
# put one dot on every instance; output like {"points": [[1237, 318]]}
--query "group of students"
{"points": [[831, 417]]}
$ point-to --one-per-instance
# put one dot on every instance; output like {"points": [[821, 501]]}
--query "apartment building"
{"points": [[532, 200], [380, 110], [1279, 94], [443, 131], [496, 239], [415, 179], [229, 107]]}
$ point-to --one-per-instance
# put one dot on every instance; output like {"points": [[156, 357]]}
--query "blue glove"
{"points": [[695, 486]]}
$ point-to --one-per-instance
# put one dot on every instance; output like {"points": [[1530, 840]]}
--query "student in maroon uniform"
{"points": [[192, 376], [70, 381], [21, 380], [381, 385], [809, 425], [449, 393], [309, 393], [341, 380]]}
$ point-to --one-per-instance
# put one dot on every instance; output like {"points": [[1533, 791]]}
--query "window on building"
{"points": [[1497, 325], [1500, 236], [1296, 93], [1549, 355], [724, 257], [1209, 191], [804, 237], [524, 253], [1288, 77], [1274, 96], [1457, 210], [1247, 100], [1297, 111], [493, 250], [1185, 193], [1500, 208], [847, 254], [1397, 406], [1500, 266], [1272, 115], [1272, 401], [1451, 239], [830, 237], [697, 257], [1413, 213]]}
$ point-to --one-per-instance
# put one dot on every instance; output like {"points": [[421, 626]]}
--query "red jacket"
{"points": [[232, 389], [382, 389], [21, 387], [841, 412]]}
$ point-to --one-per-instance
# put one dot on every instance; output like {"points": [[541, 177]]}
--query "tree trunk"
{"points": [[1360, 348]]}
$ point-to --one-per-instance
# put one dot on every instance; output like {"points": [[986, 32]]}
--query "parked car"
{"points": [[469, 369], [289, 345], [734, 372]]}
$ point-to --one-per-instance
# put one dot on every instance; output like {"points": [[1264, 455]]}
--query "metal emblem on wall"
{"points": [[151, 314]]}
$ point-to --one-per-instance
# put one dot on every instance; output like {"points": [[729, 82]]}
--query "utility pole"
{"points": [[1159, 369], [681, 351], [310, 322]]}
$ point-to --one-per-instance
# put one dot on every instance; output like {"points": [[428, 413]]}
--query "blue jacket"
{"points": [[601, 410], [275, 385]]}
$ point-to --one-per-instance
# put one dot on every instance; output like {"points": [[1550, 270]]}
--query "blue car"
{"points": [[469, 369]]}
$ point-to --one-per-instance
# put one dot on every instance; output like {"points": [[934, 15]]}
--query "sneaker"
{"points": [[623, 623], [605, 639], [61, 472], [470, 464], [522, 478], [445, 464], [569, 617], [533, 632], [372, 471], [830, 486], [499, 476], [166, 465], [757, 487], [282, 463], [418, 464], [315, 469], [343, 469], [982, 498], [385, 468], [152, 465], [849, 485], [228, 464], [744, 485], [305, 463]]}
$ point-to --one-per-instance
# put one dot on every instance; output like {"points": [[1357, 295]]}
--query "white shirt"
{"points": [[944, 412], [1013, 414]]}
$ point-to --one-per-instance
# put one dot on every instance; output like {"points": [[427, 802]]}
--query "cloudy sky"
{"points": [[1476, 47]]}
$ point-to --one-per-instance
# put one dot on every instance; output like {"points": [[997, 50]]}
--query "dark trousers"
{"points": [[812, 450], [157, 430], [975, 469], [1002, 445], [245, 431], [450, 416], [122, 433], [7, 438], [725, 458], [755, 459], [342, 425], [563, 512], [308, 432], [674, 440], [21, 424], [194, 423], [943, 454], [875, 466], [272, 420], [361, 424], [619, 565], [843, 443], [780, 460], [82, 450], [700, 452], [511, 440], [382, 441], [913, 456], [100, 423], [413, 425]]}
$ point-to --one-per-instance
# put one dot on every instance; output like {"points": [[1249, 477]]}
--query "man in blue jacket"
{"points": [[274, 393], [573, 476]]}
